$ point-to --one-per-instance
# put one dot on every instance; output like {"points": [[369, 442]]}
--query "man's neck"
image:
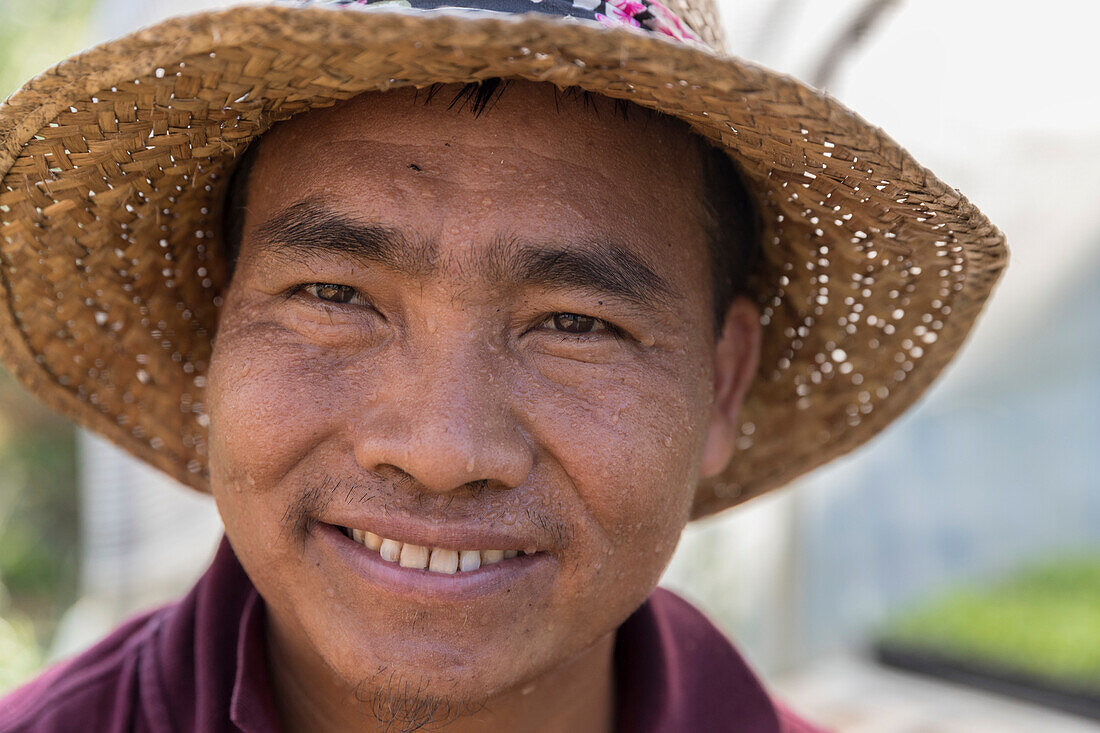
{"points": [[577, 695]]}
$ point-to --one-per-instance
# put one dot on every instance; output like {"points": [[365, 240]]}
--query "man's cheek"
{"points": [[265, 414], [634, 473], [655, 477], [649, 444]]}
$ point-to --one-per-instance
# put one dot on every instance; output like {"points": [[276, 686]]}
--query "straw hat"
{"points": [[114, 164]]}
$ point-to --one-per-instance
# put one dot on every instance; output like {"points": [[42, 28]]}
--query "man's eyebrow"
{"points": [[309, 228], [597, 266]]}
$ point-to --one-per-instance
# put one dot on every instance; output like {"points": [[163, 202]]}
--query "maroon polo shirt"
{"points": [[200, 664]]}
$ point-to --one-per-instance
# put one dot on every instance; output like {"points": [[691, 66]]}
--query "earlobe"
{"points": [[736, 357]]}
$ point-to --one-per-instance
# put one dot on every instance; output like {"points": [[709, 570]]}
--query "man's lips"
{"points": [[418, 583]]}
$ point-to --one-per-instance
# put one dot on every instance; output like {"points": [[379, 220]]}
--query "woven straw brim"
{"points": [[114, 165]]}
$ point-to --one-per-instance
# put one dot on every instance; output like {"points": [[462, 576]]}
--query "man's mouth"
{"points": [[434, 559], [424, 563]]}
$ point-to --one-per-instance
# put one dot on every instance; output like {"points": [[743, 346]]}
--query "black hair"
{"points": [[733, 227]]}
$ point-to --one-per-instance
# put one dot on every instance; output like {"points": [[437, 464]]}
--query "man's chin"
{"points": [[411, 700], [418, 663]]}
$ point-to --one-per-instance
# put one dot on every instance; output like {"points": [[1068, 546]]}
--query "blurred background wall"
{"points": [[995, 470]]}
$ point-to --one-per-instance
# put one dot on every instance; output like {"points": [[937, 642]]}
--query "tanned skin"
{"points": [[442, 325]]}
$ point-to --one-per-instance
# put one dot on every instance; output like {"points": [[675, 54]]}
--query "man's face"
{"points": [[489, 333]]}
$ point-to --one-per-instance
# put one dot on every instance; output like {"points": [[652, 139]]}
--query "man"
{"points": [[472, 358]]}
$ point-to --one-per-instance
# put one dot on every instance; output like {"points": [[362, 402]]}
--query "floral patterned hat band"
{"points": [[648, 15]]}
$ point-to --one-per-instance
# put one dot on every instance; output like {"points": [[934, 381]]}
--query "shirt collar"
{"points": [[676, 671], [252, 706]]}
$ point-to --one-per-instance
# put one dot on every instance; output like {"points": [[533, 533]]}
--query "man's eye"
{"points": [[576, 323], [331, 292]]}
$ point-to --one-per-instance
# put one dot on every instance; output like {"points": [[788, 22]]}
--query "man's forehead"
{"points": [[530, 119], [540, 107]]}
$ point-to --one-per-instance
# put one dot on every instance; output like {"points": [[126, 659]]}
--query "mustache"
{"points": [[404, 492]]}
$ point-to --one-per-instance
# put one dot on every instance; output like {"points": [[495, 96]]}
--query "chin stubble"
{"points": [[401, 705]]}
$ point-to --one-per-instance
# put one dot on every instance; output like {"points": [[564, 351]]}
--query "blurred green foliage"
{"points": [[38, 504], [39, 528], [35, 34], [38, 499], [1043, 620]]}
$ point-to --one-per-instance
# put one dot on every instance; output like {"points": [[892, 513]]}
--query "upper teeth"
{"points": [[436, 559]]}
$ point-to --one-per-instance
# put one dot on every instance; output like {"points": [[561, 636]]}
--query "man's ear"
{"points": [[736, 356]]}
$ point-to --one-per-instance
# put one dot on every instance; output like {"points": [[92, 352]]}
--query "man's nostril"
{"points": [[478, 487]]}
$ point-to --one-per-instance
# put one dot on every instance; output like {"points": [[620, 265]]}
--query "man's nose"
{"points": [[445, 421]]}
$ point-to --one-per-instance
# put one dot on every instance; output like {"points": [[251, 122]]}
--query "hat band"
{"points": [[648, 15]]}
